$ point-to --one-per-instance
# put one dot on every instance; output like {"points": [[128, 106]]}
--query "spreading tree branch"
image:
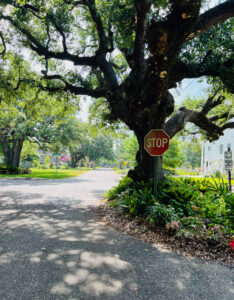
{"points": [[99, 26], [178, 121], [182, 70], [3, 44], [77, 90], [142, 9], [210, 103], [213, 17], [60, 30], [43, 51], [225, 115], [229, 125]]}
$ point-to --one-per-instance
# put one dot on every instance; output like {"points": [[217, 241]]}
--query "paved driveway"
{"points": [[52, 247]]}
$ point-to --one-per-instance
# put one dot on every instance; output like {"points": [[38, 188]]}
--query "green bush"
{"points": [[190, 227], [135, 202], [12, 170], [160, 214], [187, 205], [170, 171], [123, 185]]}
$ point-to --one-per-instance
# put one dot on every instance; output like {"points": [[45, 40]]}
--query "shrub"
{"points": [[135, 202], [187, 206], [220, 186], [12, 170], [123, 184], [64, 166], [170, 171], [160, 214]]}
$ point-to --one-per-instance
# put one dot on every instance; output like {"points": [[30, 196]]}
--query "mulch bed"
{"points": [[162, 240]]}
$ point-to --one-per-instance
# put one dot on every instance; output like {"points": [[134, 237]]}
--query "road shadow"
{"points": [[5, 181], [46, 182], [52, 251]]}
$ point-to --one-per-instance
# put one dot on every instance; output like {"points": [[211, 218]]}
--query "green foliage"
{"points": [[160, 214], [191, 152], [172, 157], [186, 206], [50, 173], [219, 186], [47, 161], [126, 150], [170, 171], [9, 170], [135, 201], [100, 147], [27, 110], [225, 107], [122, 186], [212, 48], [29, 152]]}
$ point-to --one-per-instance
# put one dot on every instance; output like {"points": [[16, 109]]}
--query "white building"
{"points": [[43, 155], [212, 159]]}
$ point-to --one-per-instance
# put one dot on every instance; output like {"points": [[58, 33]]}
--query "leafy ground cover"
{"points": [[7, 169], [50, 173], [192, 212]]}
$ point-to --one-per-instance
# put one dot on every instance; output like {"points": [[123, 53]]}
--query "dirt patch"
{"points": [[162, 240]]}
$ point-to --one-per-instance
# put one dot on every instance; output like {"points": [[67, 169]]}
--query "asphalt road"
{"points": [[52, 247]]}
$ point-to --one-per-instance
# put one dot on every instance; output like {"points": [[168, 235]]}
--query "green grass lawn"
{"points": [[211, 179], [121, 171], [50, 173]]}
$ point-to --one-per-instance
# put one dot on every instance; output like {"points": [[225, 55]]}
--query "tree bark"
{"points": [[12, 152], [76, 157], [145, 163]]}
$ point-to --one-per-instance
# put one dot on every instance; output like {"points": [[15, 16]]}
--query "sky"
{"points": [[191, 88]]}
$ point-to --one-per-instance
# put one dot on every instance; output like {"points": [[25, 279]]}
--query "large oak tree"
{"points": [[27, 110], [130, 53]]}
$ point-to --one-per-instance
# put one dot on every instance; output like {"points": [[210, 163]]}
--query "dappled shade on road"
{"points": [[53, 247]]}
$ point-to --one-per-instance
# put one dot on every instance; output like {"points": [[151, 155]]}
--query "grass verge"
{"points": [[121, 171], [50, 173]]}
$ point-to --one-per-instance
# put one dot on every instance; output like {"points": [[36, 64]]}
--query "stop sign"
{"points": [[156, 142]]}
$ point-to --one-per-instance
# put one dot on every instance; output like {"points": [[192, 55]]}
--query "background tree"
{"points": [[74, 136], [173, 158], [126, 151], [100, 147], [191, 154], [27, 111], [29, 152], [70, 136], [130, 53]]}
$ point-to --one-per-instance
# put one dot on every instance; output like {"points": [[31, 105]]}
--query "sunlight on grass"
{"points": [[211, 180], [121, 171], [50, 173]]}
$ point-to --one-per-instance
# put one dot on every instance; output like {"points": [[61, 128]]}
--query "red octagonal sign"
{"points": [[156, 142]]}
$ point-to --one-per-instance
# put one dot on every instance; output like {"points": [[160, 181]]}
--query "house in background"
{"points": [[212, 159], [43, 155]]}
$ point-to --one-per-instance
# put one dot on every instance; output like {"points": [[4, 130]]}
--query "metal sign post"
{"points": [[156, 158], [156, 142], [228, 165], [56, 165], [56, 156]]}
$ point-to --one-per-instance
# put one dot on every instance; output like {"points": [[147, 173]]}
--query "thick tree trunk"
{"points": [[75, 158], [6, 152], [12, 151], [145, 163]]}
